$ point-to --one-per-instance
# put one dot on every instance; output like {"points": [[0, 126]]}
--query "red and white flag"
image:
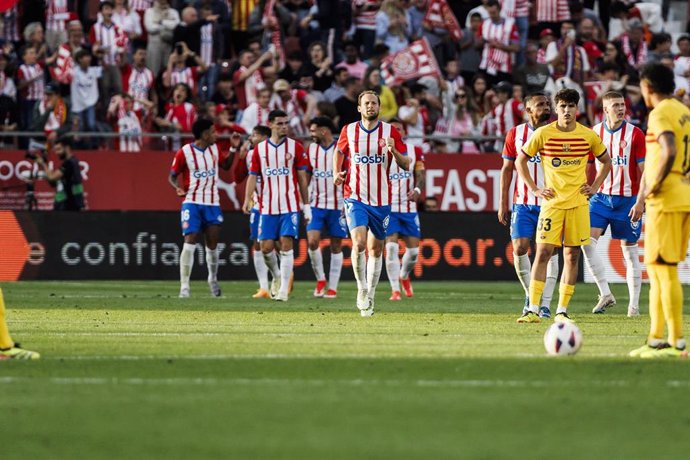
{"points": [[415, 61], [440, 16]]}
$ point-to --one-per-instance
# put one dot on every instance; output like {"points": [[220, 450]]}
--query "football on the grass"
{"points": [[562, 339]]}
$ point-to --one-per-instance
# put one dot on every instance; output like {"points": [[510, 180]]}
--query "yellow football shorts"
{"points": [[666, 236], [564, 227]]}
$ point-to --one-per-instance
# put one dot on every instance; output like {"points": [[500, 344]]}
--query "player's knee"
{"points": [[313, 244], [336, 245], [520, 247], [359, 246]]}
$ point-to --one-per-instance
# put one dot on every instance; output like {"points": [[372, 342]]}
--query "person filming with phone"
{"points": [[566, 58]]}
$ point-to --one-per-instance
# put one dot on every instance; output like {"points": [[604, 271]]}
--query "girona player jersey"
{"points": [[324, 193], [199, 170], [368, 161], [516, 138], [402, 181], [278, 165], [627, 149]]}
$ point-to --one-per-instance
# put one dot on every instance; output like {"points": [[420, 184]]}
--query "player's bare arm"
{"points": [[506, 177], [419, 182], [249, 190], [338, 174], [172, 180], [605, 161], [523, 170], [235, 141], [402, 160], [303, 182], [667, 142]]}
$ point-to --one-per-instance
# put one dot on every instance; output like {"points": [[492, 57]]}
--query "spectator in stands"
{"points": [[35, 38], [294, 69], [126, 19], [256, 113], [533, 76], [501, 41], [364, 21], [681, 83], [319, 67], [683, 58], [297, 103], [126, 122], [180, 114], [248, 79], [590, 41], [613, 55], [8, 99], [389, 106], [478, 96], [211, 50], [508, 113], [659, 46], [62, 62], [463, 121], [109, 44], [347, 104], [217, 12], [225, 126], [326, 109], [648, 13], [69, 194], [546, 36], [30, 83], [380, 52], [519, 10], [415, 16], [239, 35], [159, 22], [57, 16], [415, 115], [355, 67], [332, 17], [481, 10], [10, 27], [52, 116], [178, 69], [471, 46], [84, 94], [139, 82], [225, 92], [566, 58], [430, 204], [392, 28], [551, 13], [337, 88], [632, 45]]}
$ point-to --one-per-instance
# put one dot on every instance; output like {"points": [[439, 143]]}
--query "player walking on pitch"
{"points": [[283, 166], [197, 164], [8, 348], [665, 187], [406, 188], [526, 205], [564, 147], [365, 151], [326, 206], [612, 205]]}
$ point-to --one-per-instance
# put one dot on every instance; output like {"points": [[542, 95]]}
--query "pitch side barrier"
{"points": [[147, 245]]}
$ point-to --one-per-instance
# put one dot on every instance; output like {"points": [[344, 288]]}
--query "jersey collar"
{"points": [[278, 144], [361, 126], [328, 147], [606, 127]]}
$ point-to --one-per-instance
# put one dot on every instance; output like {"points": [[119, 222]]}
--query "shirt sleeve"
{"points": [[301, 158], [658, 124], [343, 143], [509, 152], [399, 144], [255, 168], [597, 147], [419, 155], [639, 147], [179, 164], [534, 144]]}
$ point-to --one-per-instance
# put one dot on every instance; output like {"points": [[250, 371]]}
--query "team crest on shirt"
{"points": [[382, 143], [566, 147], [288, 156], [624, 143]]}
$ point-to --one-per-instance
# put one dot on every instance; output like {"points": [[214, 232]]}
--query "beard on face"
{"points": [[371, 117], [545, 116]]}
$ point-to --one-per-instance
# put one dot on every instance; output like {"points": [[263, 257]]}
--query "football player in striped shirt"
{"points": [[406, 188], [564, 148], [326, 208], [611, 205], [526, 205], [194, 176], [283, 166], [366, 149]]}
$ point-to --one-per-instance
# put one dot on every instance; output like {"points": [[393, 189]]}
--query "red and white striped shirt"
{"points": [[368, 160], [402, 181], [552, 10], [10, 25], [507, 115], [34, 91], [253, 116], [140, 5], [206, 44], [110, 37], [183, 114], [516, 138], [627, 149], [137, 83], [277, 165], [295, 108], [514, 8], [365, 18], [186, 75], [129, 128], [324, 193], [64, 65], [493, 59], [259, 182], [199, 169], [247, 90], [57, 13]]}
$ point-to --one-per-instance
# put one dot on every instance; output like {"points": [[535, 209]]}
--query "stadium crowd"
{"points": [[133, 66]]}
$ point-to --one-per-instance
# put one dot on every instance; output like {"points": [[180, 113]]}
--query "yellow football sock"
{"points": [[671, 301], [656, 312], [536, 288], [565, 293], [5, 339]]}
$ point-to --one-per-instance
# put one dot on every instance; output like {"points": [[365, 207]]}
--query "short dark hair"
{"points": [[323, 122], [263, 130], [658, 39], [608, 66], [682, 38], [492, 3], [273, 114], [568, 95], [80, 54], [65, 140], [350, 81], [295, 56], [201, 125], [659, 77], [527, 99]]}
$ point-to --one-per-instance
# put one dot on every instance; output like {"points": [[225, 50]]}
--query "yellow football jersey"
{"points": [[669, 116], [564, 156]]}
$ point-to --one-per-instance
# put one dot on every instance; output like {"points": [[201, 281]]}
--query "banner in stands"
{"points": [[147, 245], [139, 182]]}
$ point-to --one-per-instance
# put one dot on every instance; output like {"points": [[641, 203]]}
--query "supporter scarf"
{"points": [[633, 60]]}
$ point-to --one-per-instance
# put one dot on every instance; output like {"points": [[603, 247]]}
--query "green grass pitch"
{"points": [[128, 370]]}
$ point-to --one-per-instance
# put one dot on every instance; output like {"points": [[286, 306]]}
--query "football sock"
{"points": [[393, 265], [565, 293], [212, 264], [671, 301], [359, 267], [186, 263], [287, 262], [271, 261], [656, 313], [536, 288], [633, 274], [261, 270], [317, 264], [373, 273], [409, 260], [5, 339], [550, 284], [596, 266], [523, 266], [336, 268]]}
